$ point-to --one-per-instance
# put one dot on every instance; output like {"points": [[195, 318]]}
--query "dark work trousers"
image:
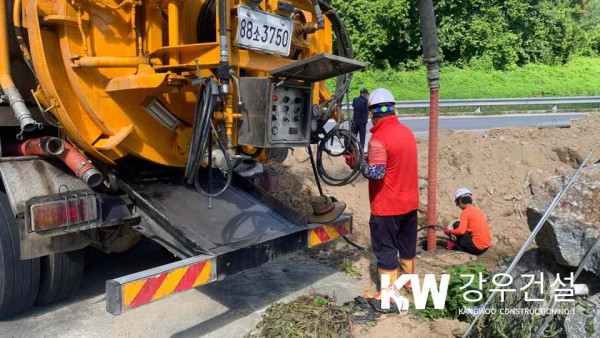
{"points": [[361, 131], [393, 237], [465, 243]]}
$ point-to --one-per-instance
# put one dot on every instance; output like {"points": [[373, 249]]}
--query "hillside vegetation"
{"points": [[575, 78]]}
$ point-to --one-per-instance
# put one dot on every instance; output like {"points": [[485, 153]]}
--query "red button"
{"points": [[275, 98]]}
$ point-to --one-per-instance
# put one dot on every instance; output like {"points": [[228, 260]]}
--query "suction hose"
{"points": [[431, 56], [22, 113], [64, 151]]}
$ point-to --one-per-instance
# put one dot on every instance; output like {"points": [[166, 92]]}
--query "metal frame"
{"points": [[225, 263]]}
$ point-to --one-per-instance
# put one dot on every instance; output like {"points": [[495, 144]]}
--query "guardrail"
{"points": [[478, 103]]}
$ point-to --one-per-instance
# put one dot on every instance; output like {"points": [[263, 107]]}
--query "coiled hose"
{"points": [[345, 50], [201, 134], [346, 138], [350, 144]]}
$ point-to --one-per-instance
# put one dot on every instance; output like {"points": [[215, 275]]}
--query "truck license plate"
{"points": [[264, 32]]}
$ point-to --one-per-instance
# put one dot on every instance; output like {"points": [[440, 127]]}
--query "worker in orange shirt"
{"points": [[472, 231]]}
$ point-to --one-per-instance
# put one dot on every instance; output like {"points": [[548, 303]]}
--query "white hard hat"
{"points": [[462, 192], [380, 95]]}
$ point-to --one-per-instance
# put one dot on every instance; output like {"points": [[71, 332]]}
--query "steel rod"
{"points": [[582, 264]]}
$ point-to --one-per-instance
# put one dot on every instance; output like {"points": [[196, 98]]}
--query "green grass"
{"points": [[581, 76]]}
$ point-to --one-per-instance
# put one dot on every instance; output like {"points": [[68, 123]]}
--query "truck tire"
{"points": [[19, 279], [61, 275]]}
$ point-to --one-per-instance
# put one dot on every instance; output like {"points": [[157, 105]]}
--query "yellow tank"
{"points": [[103, 66]]}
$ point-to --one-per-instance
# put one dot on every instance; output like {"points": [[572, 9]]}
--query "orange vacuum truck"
{"points": [[130, 118]]}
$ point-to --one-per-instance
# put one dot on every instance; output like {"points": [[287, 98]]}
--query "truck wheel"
{"points": [[61, 275], [19, 279]]}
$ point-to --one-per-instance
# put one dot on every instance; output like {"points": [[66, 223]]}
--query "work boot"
{"points": [[374, 299], [406, 266]]}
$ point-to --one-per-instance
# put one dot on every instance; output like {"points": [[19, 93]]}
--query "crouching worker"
{"points": [[391, 168], [472, 231]]}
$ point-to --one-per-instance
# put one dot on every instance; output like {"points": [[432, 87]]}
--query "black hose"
{"points": [[229, 168], [314, 168], [319, 14], [201, 133], [207, 22], [354, 244], [431, 53], [351, 145], [223, 68], [348, 140], [345, 50]]}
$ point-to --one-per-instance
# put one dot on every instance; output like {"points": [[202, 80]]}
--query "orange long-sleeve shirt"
{"points": [[473, 220]]}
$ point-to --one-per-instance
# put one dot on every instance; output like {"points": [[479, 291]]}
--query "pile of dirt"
{"points": [[503, 168], [294, 190]]}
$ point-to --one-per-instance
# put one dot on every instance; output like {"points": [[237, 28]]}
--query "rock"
{"points": [[536, 182], [422, 183], [581, 318], [574, 225], [583, 322]]}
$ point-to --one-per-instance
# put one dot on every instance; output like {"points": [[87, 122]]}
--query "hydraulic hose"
{"points": [[319, 14], [431, 56], [223, 68], [64, 151], [345, 50], [203, 128], [350, 144], [345, 137]]}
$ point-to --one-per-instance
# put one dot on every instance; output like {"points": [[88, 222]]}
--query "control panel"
{"points": [[275, 114], [289, 114]]}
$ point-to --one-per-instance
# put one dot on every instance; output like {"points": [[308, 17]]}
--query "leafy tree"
{"points": [[377, 28], [499, 34]]}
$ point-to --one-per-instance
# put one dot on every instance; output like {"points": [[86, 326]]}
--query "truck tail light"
{"points": [[66, 212]]}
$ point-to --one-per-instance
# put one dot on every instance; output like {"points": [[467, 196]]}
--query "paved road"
{"points": [[478, 124], [228, 308]]}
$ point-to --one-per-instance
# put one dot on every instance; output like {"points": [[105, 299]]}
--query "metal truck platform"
{"points": [[245, 227]]}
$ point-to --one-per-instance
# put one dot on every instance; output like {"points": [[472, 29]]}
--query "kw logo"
{"points": [[420, 293]]}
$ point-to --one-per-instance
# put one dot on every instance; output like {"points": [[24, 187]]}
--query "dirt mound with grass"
{"points": [[311, 315]]}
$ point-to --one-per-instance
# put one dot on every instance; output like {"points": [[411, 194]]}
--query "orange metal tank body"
{"points": [[99, 61]]}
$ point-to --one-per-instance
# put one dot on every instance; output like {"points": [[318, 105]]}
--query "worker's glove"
{"points": [[351, 158], [450, 246], [447, 231]]}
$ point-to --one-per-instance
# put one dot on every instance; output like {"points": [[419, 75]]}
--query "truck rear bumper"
{"points": [[132, 291]]}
